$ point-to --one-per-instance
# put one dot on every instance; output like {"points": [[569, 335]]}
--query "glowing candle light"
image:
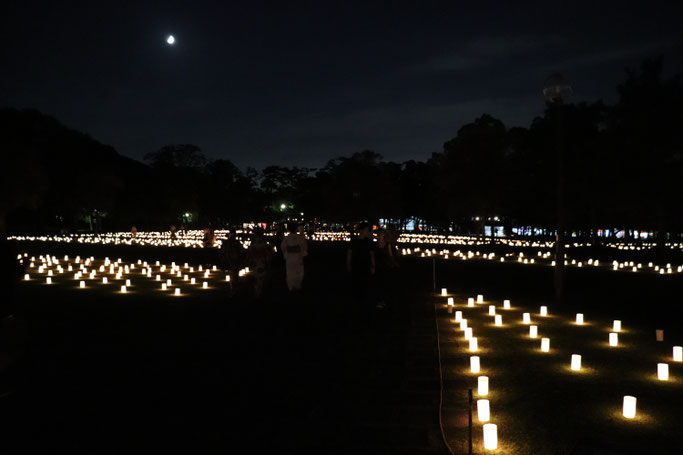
{"points": [[450, 301], [678, 353], [544, 311], [579, 318], [490, 436], [192, 281], [27, 277], [545, 344], [533, 331], [458, 316], [177, 291], [474, 364], [576, 362], [48, 280], [468, 333], [483, 410], [205, 285], [663, 371], [506, 304], [227, 277], [82, 284], [473, 344], [444, 292], [526, 318], [613, 339], [616, 326], [127, 282], [480, 298], [499, 320], [123, 289], [158, 278], [463, 324], [629, 406], [104, 280], [470, 301], [483, 385], [163, 286], [492, 310], [168, 282]]}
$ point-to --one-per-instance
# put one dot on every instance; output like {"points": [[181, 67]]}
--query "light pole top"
{"points": [[556, 89]]}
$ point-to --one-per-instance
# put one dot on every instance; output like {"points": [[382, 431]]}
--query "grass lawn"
{"points": [[542, 406]]}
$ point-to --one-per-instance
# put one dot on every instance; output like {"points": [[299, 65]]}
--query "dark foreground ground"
{"points": [[304, 373]]}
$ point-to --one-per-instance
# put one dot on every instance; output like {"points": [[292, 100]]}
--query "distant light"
{"points": [[170, 39], [283, 206]]}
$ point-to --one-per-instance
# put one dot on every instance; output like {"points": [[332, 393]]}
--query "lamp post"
{"points": [[556, 90]]}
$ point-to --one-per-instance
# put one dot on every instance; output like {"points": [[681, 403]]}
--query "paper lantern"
{"points": [[474, 364], [483, 410], [470, 301], [678, 353], [616, 326], [48, 280], [227, 277], [613, 339], [629, 406], [544, 311], [526, 318], [158, 277], [27, 277], [545, 344], [163, 286], [444, 292], [458, 316], [576, 362], [169, 282], [82, 284], [450, 301], [205, 285], [533, 331], [104, 280], [492, 310], [177, 291], [480, 298], [499, 320], [127, 282], [473, 344], [123, 289], [468, 333], [192, 281], [463, 324], [579, 318], [506, 304], [663, 371], [483, 385], [490, 436]]}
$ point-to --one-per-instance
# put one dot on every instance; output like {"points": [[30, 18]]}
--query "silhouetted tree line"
{"points": [[623, 168]]}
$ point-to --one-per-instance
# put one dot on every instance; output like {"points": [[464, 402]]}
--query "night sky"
{"points": [[301, 83]]}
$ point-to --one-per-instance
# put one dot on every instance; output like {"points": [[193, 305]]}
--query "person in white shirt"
{"points": [[294, 248]]}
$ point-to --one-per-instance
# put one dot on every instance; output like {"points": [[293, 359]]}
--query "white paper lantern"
{"points": [[490, 436], [483, 385], [533, 331], [499, 320], [177, 291], [163, 286], [613, 339], [450, 301], [468, 333], [27, 277], [506, 304], [663, 371], [492, 310], [48, 280], [123, 289], [480, 298], [579, 318], [127, 282], [458, 316], [629, 406], [463, 324], [616, 326], [104, 280], [576, 362], [483, 410], [545, 344], [473, 344], [470, 301], [474, 364], [678, 353], [444, 292], [82, 284], [205, 285], [526, 318], [544, 311]]}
